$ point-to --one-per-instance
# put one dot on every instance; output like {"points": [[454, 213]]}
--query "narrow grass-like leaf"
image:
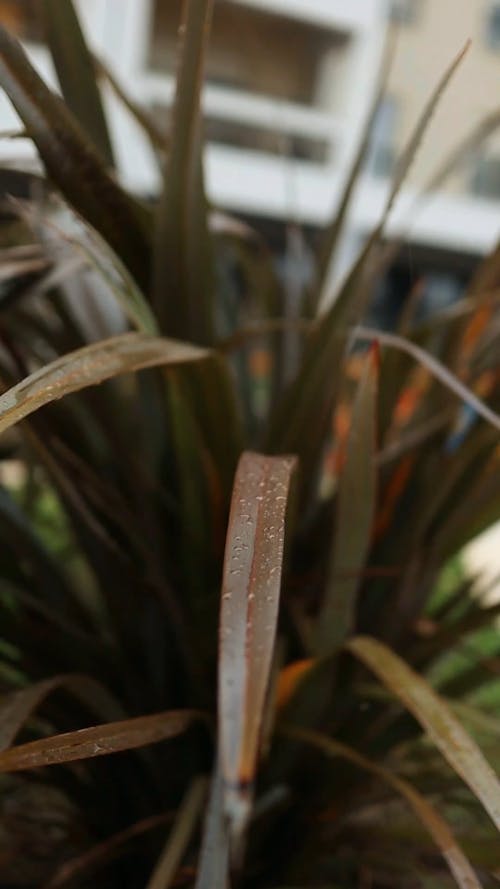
{"points": [[213, 865], [331, 238], [172, 855], [90, 366], [427, 814], [16, 708], [455, 744], [145, 119], [101, 740], [249, 613], [309, 400], [435, 367], [184, 265], [356, 501], [99, 855], [72, 162], [75, 71], [68, 229]]}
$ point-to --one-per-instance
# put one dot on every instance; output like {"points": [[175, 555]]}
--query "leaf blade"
{"points": [[355, 516], [75, 70], [213, 866], [16, 709], [175, 847], [184, 272], [309, 400], [72, 162], [454, 743], [101, 740], [90, 366], [249, 611], [428, 815]]}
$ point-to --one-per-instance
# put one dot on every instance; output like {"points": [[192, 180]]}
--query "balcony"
{"points": [[326, 13], [252, 50]]}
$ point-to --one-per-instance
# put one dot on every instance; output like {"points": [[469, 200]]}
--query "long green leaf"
{"points": [[184, 265], [427, 814], [101, 740], [356, 501], [248, 619], [72, 162], [90, 366], [457, 747], [75, 70]]}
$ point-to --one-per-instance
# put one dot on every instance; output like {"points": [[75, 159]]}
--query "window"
{"points": [[382, 150], [493, 27], [22, 18], [486, 178], [251, 49], [403, 11]]}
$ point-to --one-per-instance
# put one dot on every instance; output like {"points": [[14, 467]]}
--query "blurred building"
{"points": [[289, 85]]}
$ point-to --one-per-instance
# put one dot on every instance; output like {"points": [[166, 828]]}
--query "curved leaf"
{"points": [[143, 117], [75, 71], [67, 229], [435, 367], [16, 708], [309, 401], [249, 612], [72, 162], [425, 812], [431, 711], [101, 740], [90, 366]]}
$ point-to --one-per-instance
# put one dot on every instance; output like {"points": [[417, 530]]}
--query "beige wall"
{"points": [[424, 49]]}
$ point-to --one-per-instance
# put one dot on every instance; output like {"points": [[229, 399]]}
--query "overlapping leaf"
{"points": [[75, 70], [71, 161], [102, 740], [430, 710], [90, 366], [184, 264], [308, 404], [249, 611], [356, 498], [423, 809]]}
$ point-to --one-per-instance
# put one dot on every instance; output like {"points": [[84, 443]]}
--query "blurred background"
{"points": [[290, 85]]}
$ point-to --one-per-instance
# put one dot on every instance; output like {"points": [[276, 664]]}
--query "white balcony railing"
{"points": [[250, 109], [338, 14]]}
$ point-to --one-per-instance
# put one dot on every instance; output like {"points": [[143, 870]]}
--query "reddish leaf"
{"points": [[99, 740], [249, 613]]}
